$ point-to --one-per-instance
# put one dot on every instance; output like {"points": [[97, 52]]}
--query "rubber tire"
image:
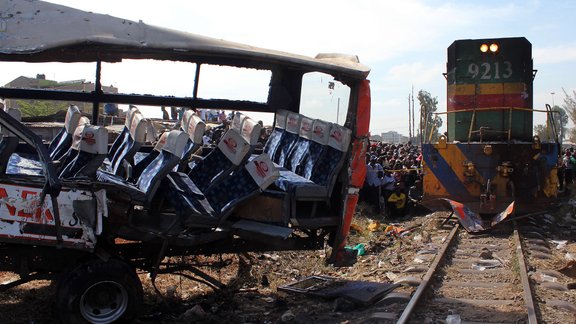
{"points": [[73, 285]]}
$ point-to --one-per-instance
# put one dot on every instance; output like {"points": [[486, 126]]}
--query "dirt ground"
{"points": [[252, 280]]}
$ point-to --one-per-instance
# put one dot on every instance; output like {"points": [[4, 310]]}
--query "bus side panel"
{"points": [[358, 172]]}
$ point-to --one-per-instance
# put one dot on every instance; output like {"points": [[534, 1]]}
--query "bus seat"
{"points": [[91, 142], [195, 129], [289, 139], [276, 136], [250, 131], [301, 146], [126, 151], [227, 157], [143, 190], [238, 121], [31, 165], [61, 143], [207, 209], [319, 185], [133, 110], [332, 160], [9, 142]]}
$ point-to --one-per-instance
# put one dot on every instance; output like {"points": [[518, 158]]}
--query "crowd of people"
{"points": [[566, 170], [393, 177]]}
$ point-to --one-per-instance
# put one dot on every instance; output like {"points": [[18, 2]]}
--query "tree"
{"points": [[429, 122], [559, 120], [570, 107], [540, 131], [34, 108]]}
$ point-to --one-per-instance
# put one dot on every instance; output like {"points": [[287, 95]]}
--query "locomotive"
{"points": [[488, 159]]}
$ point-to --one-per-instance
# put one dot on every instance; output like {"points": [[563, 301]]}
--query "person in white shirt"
{"points": [[374, 174]]}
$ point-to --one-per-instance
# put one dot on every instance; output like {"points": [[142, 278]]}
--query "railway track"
{"points": [[464, 278]]}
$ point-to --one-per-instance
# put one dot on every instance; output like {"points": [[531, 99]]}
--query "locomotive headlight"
{"points": [[493, 47], [484, 48]]}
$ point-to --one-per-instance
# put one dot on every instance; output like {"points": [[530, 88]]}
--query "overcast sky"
{"points": [[403, 42]]}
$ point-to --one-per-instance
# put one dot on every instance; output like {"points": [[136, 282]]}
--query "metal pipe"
{"points": [[97, 93], [196, 81]]}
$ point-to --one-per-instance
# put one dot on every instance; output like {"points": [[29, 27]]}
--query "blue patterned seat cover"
{"points": [[228, 157], [8, 141], [118, 142], [273, 141], [124, 134], [131, 144], [299, 186], [146, 186], [207, 209], [60, 145], [91, 143], [285, 147], [195, 127], [320, 169], [27, 164], [59, 148], [300, 150], [7, 146], [213, 166], [289, 138]]}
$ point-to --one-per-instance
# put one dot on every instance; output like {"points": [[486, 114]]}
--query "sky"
{"points": [[403, 42]]}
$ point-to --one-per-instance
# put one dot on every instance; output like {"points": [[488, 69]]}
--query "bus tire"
{"points": [[100, 292]]}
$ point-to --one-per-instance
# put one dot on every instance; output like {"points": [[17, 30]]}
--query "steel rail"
{"points": [[426, 280], [528, 297]]}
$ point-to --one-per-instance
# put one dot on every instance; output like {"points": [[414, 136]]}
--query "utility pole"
{"points": [[413, 124], [409, 119]]}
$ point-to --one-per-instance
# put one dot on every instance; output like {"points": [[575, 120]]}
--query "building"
{"points": [[40, 82], [394, 137]]}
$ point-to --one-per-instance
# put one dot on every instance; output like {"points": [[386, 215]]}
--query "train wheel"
{"points": [[100, 292]]}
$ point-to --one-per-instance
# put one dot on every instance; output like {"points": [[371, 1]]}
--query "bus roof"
{"points": [[38, 31]]}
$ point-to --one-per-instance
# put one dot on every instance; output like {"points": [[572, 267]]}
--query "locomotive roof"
{"points": [[499, 39], [38, 31]]}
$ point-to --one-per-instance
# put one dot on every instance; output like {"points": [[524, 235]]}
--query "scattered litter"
{"points": [[541, 277], [359, 248], [486, 264], [392, 276], [417, 238], [374, 226], [569, 269], [360, 292], [560, 245], [393, 230], [453, 319], [357, 228], [418, 260], [569, 257], [273, 257]]}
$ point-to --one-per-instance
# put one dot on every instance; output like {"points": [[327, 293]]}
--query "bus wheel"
{"points": [[99, 292]]}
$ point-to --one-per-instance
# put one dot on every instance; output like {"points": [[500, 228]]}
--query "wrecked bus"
{"points": [[88, 212]]}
